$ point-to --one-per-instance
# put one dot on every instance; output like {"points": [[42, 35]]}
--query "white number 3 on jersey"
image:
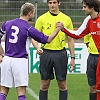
{"points": [[14, 34]]}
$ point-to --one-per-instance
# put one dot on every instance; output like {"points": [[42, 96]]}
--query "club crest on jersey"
{"points": [[48, 26], [98, 24]]}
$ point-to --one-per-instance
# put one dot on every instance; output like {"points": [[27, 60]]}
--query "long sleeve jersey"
{"points": [[18, 34], [91, 26]]}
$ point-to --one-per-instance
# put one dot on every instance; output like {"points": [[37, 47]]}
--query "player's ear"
{"points": [[30, 13], [59, 3]]}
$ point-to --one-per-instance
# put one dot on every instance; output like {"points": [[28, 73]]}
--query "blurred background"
{"points": [[10, 9]]}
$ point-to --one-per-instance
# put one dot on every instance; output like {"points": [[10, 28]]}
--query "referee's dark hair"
{"points": [[57, 1], [92, 4]]}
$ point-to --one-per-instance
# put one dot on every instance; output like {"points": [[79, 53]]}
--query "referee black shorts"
{"points": [[53, 62]]}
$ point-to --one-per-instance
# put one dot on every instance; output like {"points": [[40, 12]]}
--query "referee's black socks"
{"points": [[43, 95], [63, 95]]}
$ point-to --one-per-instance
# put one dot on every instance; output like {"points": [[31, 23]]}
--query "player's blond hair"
{"points": [[26, 8]]}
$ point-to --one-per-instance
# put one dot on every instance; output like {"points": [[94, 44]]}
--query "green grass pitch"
{"points": [[77, 88]]}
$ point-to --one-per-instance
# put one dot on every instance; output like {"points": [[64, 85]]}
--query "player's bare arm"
{"points": [[35, 44], [53, 35], [50, 38]]}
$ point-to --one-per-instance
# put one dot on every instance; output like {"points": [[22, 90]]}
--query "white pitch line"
{"points": [[31, 92]]}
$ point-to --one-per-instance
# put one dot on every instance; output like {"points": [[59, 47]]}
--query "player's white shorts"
{"points": [[14, 72]]}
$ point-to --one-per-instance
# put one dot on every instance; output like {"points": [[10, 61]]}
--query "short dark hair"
{"points": [[92, 4], [57, 1]]}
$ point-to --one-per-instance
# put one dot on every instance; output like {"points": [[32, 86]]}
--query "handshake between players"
{"points": [[60, 24]]}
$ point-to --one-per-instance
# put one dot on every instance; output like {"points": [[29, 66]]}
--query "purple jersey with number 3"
{"points": [[18, 33]]}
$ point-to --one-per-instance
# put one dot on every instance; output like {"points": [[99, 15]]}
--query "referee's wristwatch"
{"points": [[72, 57]]}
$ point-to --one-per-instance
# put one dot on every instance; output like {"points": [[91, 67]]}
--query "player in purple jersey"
{"points": [[18, 34]]}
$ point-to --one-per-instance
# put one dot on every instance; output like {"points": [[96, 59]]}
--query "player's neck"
{"points": [[24, 18], [54, 12], [94, 15]]}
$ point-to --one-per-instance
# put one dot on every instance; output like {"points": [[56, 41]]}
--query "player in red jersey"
{"points": [[92, 25]]}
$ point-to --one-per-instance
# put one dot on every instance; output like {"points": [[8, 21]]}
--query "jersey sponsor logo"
{"points": [[98, 24], [95, 33], [98, 32]]}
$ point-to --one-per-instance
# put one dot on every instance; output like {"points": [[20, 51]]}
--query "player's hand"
{"points": [[60, 25], [39, 51], [1, 57]]}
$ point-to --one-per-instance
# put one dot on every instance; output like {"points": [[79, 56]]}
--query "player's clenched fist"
{"points": [[39, 51], [1, 58]]}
